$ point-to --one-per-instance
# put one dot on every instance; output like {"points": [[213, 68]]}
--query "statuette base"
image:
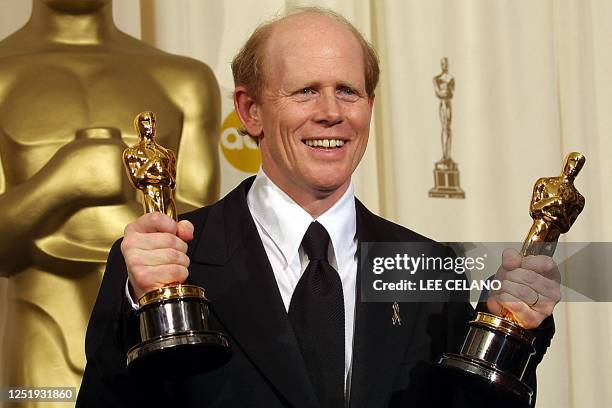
{"points": [[446, 181], [493, 357], [478, 378], [180, 355], [175, 334]]}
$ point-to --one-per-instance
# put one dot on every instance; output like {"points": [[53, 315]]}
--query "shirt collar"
{"points": [[285, 222]]}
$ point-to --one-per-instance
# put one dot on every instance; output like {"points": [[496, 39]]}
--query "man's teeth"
{"points": [[325, 143]]}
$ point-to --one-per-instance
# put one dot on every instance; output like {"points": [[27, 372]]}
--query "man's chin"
{"points": [[324, 188]]}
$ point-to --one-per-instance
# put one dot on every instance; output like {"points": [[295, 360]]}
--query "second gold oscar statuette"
{"points": [[497, 349], [176, 337]]}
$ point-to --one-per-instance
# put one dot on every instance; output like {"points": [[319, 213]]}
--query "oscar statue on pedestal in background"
{"points": [[446, 171]]}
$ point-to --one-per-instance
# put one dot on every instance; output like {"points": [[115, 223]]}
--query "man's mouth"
{"points": [[324, 143]]}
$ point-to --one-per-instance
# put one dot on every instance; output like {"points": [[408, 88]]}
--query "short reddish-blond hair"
{"points": [[248, 64]]}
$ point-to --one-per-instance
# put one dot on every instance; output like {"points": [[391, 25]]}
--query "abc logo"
{"points": [[240, 151]]}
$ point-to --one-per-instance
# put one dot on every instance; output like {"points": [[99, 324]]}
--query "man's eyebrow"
{"points": [[299, 84], [347, 84], [351, 85]]}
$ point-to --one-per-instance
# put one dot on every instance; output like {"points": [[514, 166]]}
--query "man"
{"points": [[305, 90]]}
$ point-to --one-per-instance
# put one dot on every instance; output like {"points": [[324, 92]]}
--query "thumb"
{"points": [[185, 230], [511, 259]]}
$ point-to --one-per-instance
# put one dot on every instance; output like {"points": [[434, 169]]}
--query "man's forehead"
{"points": [[307, 29], [312, 36]]}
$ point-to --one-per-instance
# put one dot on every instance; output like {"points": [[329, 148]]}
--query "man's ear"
{"points": [[248, 110], [371, 101]]}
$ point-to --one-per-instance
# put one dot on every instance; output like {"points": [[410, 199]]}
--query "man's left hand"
{"points": [[530, 288]]}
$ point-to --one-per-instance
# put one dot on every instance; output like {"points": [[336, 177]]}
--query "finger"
{"points": [[498, 301], [511, 259], [185, 230], [519, 291], [157, 240], [541, 303], [152, 222], [521, 312], [543, 265], [493, 306], [540, 284], [147, 278], [155, 257], [511, 303]]}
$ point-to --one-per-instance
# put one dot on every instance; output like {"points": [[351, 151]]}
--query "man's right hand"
{"points": [[155, 251]]}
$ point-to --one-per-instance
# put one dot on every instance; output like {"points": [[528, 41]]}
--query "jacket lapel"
{"points": [[378, 345], [244, 296]]}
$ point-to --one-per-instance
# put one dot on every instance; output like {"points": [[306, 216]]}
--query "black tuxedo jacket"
{"points": [[392, 365]]}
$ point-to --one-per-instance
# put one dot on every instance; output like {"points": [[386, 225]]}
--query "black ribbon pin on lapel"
{"points": [[396, 319]]}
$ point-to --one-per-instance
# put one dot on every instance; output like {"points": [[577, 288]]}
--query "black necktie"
{"points": [[316, 313]]}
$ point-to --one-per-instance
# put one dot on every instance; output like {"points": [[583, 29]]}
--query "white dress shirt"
{"points": [[282, 223]]}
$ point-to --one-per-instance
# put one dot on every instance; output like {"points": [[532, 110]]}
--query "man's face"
{"points": [[314, 110]]}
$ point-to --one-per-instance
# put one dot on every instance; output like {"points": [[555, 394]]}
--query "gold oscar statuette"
{"points": [[446, 171], [496, 350], [174, 320]]}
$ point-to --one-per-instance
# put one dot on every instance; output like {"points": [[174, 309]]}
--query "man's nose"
{"points": [[329, 111]]}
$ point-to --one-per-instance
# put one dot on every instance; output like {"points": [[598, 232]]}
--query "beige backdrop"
{"points": [[534, 82]]}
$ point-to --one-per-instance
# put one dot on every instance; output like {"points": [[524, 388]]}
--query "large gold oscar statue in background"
{"points": [[70, 85]]}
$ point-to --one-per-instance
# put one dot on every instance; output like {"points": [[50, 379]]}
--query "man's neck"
{"points": [[317, 205], [84, 28], [314, 203]]}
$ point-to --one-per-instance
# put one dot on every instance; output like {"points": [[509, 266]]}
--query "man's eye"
{"points": [[306, 91], [348, 92]]}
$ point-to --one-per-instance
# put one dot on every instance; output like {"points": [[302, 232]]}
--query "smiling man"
{"points": [[312, 115], [278, 255]]}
